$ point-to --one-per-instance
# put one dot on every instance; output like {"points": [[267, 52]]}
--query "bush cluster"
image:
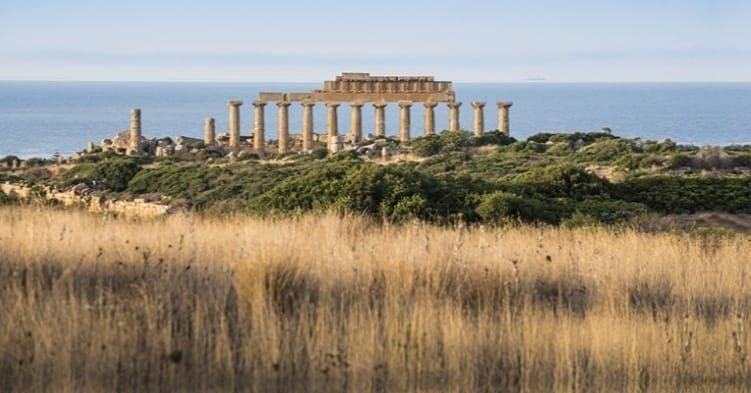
{"points": [[542, 179]]}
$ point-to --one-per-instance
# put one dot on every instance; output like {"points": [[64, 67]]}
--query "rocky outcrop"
{"points": [[84, 197]]}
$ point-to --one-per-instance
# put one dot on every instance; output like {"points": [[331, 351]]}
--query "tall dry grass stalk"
{"points": [[324, 303]]}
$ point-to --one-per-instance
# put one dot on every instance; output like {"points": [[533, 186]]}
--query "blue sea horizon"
{"points": [[41, 118]]}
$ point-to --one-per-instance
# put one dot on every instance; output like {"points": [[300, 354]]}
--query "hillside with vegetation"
{"points": [[553, 178]]}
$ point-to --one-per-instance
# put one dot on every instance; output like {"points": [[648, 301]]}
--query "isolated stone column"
{"points": [[380, 119], [259, 128], [283, 127], [405, 118], [332, 126], [135, 132], [234, 123], [479, 116], [454, 115], [356, 122], [307, 125], [209, 132], [503, 117], [429, 120]]}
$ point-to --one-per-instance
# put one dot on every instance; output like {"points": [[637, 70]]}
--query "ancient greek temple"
{"points": [[358, 90]]}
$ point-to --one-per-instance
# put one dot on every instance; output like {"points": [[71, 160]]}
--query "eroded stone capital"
{"points": [[332, 104], [380, 104], [284, 104], [307, 103], [504, 104], [478, 104], [356, 104], [259, 103], [405, 104], [234, 103], [454, 105], [430, 105]]}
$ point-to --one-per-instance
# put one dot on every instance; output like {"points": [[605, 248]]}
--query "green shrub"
{"points": [[36, 162], [503, 206], [494, 138], [180, 180], [116, 174], [79, 173], [559, 137], [98, 157], [742, 160], [680, 160], [7, 160], [687, 194], [560, 149], [526, 147], [662, 147], [395, 192], [318, 154], [565, 180], [605, 151], [609, 211], [426, 146], [455, 141]]}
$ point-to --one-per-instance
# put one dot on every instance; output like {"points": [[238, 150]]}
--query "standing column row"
{"points": [[355, 125]]}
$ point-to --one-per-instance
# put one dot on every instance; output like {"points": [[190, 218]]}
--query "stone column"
{"points": [[479, 116], [259, 129], [429, 120], [454, 115], [234, 124], [209, 132], [380, 119], [404, 120], [356, 123], [135, 132], [332, 126], [283, 127], [307, 125], [503, 119]]}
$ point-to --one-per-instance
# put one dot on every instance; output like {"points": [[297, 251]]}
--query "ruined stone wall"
{"points": [[137, 208]]}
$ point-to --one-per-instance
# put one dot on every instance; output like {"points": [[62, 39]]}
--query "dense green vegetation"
{"points": [[454, 176]]}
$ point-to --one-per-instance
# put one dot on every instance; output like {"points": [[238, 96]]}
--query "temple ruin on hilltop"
{"points": [[353, 89]]}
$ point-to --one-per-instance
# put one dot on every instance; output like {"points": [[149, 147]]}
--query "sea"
{"points": [[44, 118]]}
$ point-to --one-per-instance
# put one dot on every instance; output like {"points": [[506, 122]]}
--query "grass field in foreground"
{"points": [[328, 303]]}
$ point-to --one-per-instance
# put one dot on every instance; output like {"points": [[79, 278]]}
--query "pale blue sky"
{"points": [[465, 41]]}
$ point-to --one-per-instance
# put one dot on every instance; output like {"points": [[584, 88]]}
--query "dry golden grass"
{"points": [[324, 303]]}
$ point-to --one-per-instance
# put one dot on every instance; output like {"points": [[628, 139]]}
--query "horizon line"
{"points": [[319, 81]]}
